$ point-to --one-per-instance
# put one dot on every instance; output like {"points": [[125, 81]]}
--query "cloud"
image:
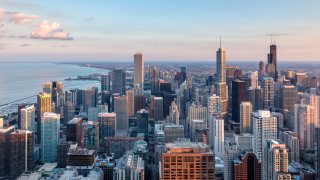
{"points": [[47, 30], [25, 45], [20, 18], [2, 13]]}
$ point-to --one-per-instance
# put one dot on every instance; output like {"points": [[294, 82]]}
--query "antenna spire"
{"points": [[220, 42]]}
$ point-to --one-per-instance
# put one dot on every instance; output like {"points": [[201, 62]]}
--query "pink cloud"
{"points": [[2, 12], [20, 18], [46, 30]]}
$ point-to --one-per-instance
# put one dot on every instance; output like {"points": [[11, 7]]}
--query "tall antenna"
{"points": [[220, 42]]}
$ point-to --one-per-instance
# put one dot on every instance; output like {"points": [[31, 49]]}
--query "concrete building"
{"points": [[218, 147], [174, 114], [173, 132], [130, 167], [28, 116], [118, 81], [264, 128], [267, 86], [74, 130], [291, 141], [107, 124], [247, 166], [244, 141], [214, 105], [231, 152], [245, 117], [5, 150], [156, 108], [275, 161], [138, 69], [121, 110], [21, 152], [181, 156], [130, 102]]}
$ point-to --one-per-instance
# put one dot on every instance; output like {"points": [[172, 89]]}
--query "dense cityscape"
{"points": [[159, 90], [169, 122]]}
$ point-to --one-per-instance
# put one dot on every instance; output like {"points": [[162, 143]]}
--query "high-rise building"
{"points": [[130, 102], [291, 141], [239, 94], [139, 103], [218, 137], [268, 93], [118, 81], [231, 152], [255, 97], [275, 161], [196, 113], [305, 118], [196, 125], [107, 123], [288, 97], [245, 117], [28, 118], [69, 110], [221, 65], [254, 78], [50, 136], [105, 82], [5, 151], [272, 60], [44, 104], [130, 166], [121, 110], [173, 132], [56, 90], [156, 108], [183, 74], [244, 141], [261, 69], [155, 84], [264, 128], [138, 69], [21, 152], [214, 105], [174, 114], [222, 91], [247, 166], [318, 152], [181, 159], [74, 130]]}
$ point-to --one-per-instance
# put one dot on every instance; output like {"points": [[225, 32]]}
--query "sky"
{"points": [[163, 30]]}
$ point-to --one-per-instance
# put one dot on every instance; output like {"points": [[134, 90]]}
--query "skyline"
{"points": [[167, 30]]}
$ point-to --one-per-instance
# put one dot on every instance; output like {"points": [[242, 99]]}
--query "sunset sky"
{"points": [[181, 30]]}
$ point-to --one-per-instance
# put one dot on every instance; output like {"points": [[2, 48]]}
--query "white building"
{"points": [[264, 128], [28, 118]]}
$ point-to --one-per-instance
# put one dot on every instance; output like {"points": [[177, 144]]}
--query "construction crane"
{"points": [[83, 134]]}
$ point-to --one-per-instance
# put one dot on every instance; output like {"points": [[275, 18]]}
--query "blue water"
{"points": [[20, 80]]}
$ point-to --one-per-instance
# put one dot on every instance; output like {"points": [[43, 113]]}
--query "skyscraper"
{"points": [[245, 117], [74, 130], [105, 82], [138, 69], [130, 102], [44, 104], [218, 137], [221, 64], [50, 136], [28, 118], [275, 161], [231, 152], [239, 94], [288, 97], [107, 123], [220, 85], [254, 77], [174, 114], [156, 108], [181, 157], [247, 166], [21, 152], [118, 81], [264, 128], [121, 110], [214, 105], [5, 150], [268, 93], [272, 59]]}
